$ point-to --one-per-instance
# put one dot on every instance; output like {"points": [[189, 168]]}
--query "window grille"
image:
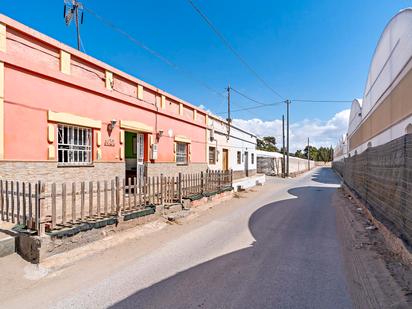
{"points": [[74, 145], [181, 153]]}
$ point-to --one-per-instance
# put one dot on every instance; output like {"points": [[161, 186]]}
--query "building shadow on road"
{"points": [[293, 263]]}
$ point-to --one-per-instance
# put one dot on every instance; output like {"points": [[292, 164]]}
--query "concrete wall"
{"points": [[270, 163]]}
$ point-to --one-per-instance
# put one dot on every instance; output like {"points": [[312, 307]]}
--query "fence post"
{"points": [[53, 201], [219, 174], [41, 203], [1, 200], [117, 189], [202, 182], [161, 189], [180, 187]]}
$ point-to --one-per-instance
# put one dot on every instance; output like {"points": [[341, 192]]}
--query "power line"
{"points": [[232, 49], [247, 97], [151, 51], [322, 101], [250, 108]]}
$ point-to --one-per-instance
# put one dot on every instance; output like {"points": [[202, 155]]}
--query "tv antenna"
{"points": [[72, 8]]}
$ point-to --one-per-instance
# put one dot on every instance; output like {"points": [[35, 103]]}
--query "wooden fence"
{"points": [[58, 205], [20, 203]]}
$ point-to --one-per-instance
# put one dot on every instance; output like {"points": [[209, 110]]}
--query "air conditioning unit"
{"points": [[212, 135], [153, 153]]}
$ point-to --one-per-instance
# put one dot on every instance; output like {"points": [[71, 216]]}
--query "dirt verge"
{"points": [[377, 276]]}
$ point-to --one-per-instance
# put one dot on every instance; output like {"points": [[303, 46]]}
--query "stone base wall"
{"points": [[242, 174], [172, 169], [50, 172]]}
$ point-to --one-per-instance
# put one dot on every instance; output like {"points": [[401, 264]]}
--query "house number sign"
{"points": [[109, 142]]}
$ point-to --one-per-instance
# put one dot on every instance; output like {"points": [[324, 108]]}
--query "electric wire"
{"points": [[140, 44], [249, 98], [321, 101], [251, 108], [232, 49]]}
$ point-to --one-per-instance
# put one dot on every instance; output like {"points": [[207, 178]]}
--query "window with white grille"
{"points": [[74, 145], [181, 153]]}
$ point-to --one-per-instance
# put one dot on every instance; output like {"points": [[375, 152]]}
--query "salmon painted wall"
{"points": [[34, 84]]}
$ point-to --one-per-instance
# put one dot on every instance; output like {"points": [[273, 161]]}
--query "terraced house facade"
{"points": [[65, 115]]}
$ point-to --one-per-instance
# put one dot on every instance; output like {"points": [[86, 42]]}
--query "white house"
{"points": [[230, 147]]}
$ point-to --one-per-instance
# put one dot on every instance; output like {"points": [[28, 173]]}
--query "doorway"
{"points": [[134, 155], [225, 159], [246, 164]]}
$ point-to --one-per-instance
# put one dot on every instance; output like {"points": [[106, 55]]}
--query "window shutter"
{"points": [[174, 151]]}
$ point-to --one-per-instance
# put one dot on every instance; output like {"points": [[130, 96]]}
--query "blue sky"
{"points": [[303, 49]]}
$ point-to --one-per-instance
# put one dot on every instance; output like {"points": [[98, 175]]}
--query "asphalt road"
{"points": [[293, 262], [274, 248]]}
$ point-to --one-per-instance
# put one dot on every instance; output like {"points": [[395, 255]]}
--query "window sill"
{"points": [[182, 164], [74, 165]]}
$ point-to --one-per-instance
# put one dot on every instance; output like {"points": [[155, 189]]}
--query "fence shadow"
{"points": [[294, 262]]}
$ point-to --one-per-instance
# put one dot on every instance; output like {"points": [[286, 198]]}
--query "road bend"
{"points": [[276, 247]]}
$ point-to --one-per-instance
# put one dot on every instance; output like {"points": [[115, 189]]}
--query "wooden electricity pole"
{"points": [[287, 137], [308, 155], [229, 120], [283, 147]]}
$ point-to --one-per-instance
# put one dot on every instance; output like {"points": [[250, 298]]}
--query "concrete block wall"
{"points": [[382, 177]]}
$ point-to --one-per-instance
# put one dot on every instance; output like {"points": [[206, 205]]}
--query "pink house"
{"points": [[67, 116]]}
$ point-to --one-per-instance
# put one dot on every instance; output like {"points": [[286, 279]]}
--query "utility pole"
{"points": [[77, 24], [72, 7], [283, 147], [308, 155], [229, 120], [287, 137]]}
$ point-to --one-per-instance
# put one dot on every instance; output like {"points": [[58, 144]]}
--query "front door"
{"points": [[246, 164], [225, 161], [140, 156]]}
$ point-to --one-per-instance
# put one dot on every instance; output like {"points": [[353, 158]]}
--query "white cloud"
{"points": [[321, 133], [205, 108]]}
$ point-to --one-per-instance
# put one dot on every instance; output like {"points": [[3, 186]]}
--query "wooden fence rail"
{"points": [[60, 205], [20, 203]]}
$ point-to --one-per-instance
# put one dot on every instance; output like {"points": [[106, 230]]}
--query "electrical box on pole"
{"points": [[71, 9]]}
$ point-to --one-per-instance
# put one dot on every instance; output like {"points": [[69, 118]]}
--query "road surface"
{"points": [[276, 247]]}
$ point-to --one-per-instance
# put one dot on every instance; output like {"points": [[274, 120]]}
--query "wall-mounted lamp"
{"points": [[159, 134], [111, 125]]}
